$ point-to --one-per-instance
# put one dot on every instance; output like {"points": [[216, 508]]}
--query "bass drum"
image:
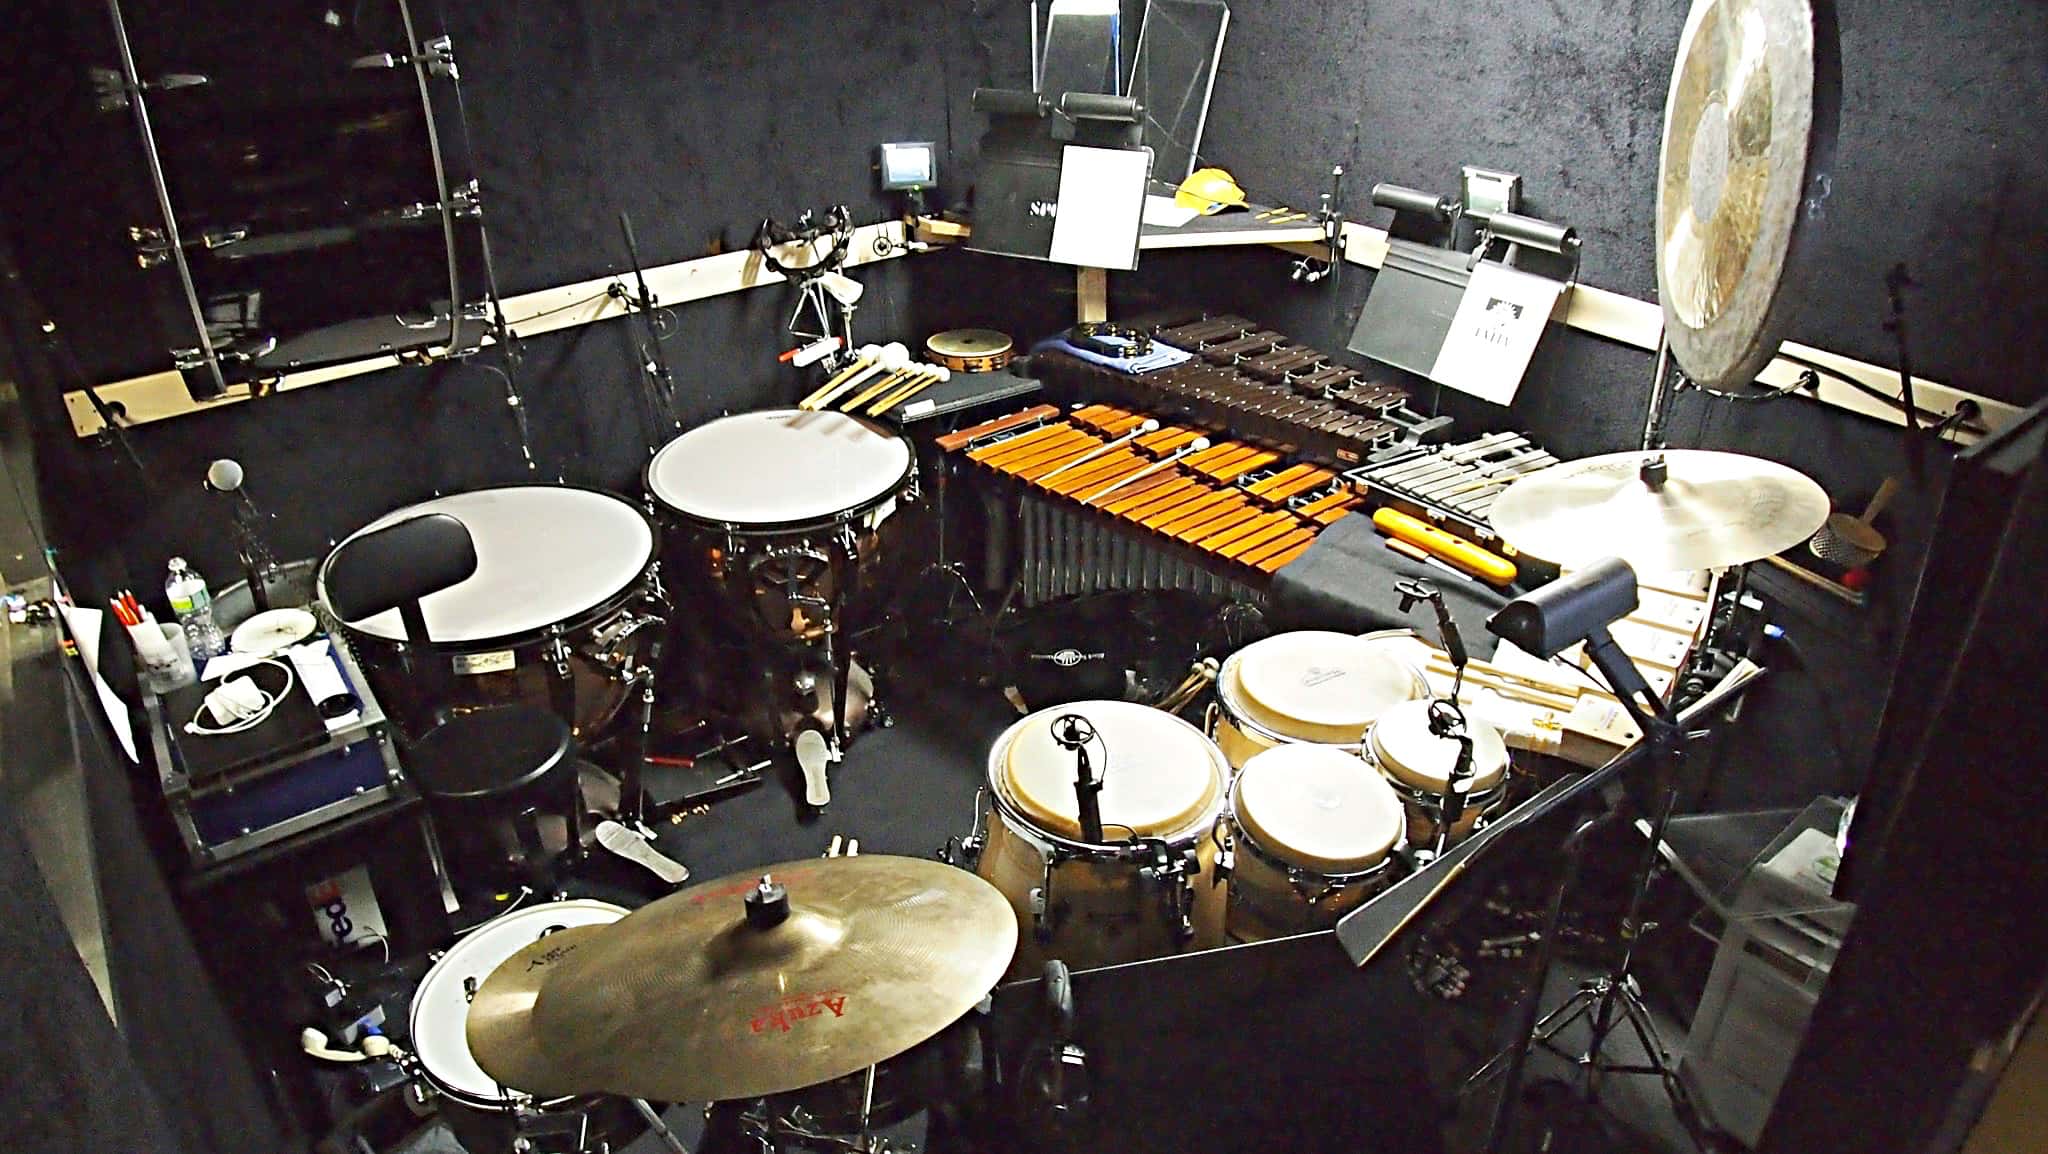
{"points": [[1310, 686], [561, 611], [487, 1118], [1140, 893]]}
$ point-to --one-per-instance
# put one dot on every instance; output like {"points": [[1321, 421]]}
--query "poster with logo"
{"points": [[1494, 332]]}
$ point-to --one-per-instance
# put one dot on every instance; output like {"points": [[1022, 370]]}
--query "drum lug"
{"points": [[1226, 853], [1044, 920]]}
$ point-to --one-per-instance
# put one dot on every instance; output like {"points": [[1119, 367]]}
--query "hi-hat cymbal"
{"points": [[693, 999], [1749, 129], [1712, 510]]}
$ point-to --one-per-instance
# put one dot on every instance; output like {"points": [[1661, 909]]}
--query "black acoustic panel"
{"points": [[1276, 1046]]}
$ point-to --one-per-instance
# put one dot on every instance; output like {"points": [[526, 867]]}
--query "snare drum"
{"points": [[779, 513], [485, 1117], [1418, 763], [969, 350], [1310, 686], [1140, 893], [558, 613], [1309, 830]]}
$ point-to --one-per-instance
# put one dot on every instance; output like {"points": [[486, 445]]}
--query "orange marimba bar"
{"points": [[1243, 508]]}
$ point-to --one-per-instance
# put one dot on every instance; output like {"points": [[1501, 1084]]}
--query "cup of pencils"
{"points": [[162, 654]]}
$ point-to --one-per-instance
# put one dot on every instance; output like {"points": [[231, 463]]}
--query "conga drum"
{"points": [[1310, 686], [1142, 891], [1310, 831], [1418, 763]]}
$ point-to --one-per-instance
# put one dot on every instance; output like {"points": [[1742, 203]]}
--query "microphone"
{"points": [[224, 475], [1073, 733], [259, 565]]}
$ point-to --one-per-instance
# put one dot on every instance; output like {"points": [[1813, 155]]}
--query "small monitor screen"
{"points": [[912, 165]]}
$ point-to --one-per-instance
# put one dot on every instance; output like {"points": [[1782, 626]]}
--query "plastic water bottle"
{"points": [[186, 591]]}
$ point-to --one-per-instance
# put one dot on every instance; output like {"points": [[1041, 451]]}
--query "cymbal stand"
{"points": [[1611, 999], [1658, 420]]}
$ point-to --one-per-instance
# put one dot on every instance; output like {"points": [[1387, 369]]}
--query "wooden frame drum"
{"points": [[969, 350]]}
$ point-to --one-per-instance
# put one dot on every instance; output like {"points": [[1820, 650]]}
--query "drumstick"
{"points": [[888, 382], [866, 355], [1194, 446], [1149, 426], [908, 391]]}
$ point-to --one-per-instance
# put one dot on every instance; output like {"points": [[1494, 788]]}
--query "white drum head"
{"points": [[440, 1008], [1162, 777], [777, 467], [1406, 750], [1319, 808], [545, 554], [1326, 680]]}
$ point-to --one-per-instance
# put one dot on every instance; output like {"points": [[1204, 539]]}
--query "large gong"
{"points": [[1749, 132]]}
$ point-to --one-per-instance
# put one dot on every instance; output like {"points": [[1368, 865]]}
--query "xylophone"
{"points": [[1256, 384], [1237, 510]]}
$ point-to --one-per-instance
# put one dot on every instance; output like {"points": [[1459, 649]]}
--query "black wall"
{"points": [[698, 120]]}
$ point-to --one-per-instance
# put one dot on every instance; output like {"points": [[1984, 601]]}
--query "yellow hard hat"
{"points": [[1209, 191]]}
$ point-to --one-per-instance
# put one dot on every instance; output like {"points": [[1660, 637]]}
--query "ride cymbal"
{"points": [[713, 993], [1711, 510]]}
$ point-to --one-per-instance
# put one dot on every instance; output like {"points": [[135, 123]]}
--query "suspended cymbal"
{"points": [[500, 1021], [688, 999], [1749, 129], [1713, 510]]}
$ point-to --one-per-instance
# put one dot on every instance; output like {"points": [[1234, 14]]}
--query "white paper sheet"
{"points": [[1494, 332], [85, 629], [1165, 212], [1102, 201]]}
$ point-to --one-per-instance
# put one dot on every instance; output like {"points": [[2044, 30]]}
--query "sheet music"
{"points": [[1102, 201], [1494, 332]]}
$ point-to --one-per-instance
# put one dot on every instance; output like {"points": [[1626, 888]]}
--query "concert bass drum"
{"points": [[487, 1118], [560, 613]]}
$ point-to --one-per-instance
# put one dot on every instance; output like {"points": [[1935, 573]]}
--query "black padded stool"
{"points": [[501, 783]]}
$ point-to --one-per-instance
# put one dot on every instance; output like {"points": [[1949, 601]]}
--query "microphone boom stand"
{"points": [[1602, 996]]}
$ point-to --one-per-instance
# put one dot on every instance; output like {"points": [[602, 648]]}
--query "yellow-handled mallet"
{"points": [[908, 391], [862, 357], [894, 356]]}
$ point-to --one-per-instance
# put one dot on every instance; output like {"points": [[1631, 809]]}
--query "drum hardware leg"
{"points": [[660, 1128]]}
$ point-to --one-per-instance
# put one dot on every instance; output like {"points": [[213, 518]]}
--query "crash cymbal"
{"points": [[500, 1022], [1749, 129], [1712, 510], [713, 994]]}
